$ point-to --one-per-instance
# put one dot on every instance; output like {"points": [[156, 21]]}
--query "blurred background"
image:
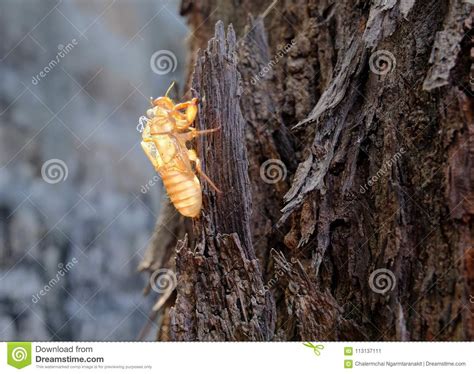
{"points": [[76, 205]]}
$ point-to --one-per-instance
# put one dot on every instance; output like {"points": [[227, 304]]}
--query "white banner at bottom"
{"points": [[210, 358]]}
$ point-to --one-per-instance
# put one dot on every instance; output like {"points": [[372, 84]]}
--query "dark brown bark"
{"points": [[379, 173]]}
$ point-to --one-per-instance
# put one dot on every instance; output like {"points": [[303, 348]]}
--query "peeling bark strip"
{"points": [[447, 45], [267, 139], [224, 156], [219, 281]]}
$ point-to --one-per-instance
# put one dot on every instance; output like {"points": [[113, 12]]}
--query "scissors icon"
{"points": [[316, 348]]}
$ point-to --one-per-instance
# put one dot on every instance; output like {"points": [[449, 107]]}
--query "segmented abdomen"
{"points": [[184, 190]]}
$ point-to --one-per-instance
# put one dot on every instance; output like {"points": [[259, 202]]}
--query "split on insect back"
{"points": [[166, 130]]}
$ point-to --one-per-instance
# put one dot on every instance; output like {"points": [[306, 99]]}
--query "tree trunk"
{"points": [[345, 160]]}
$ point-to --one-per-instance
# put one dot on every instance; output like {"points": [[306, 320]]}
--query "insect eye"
{"points": [[150, 113]]}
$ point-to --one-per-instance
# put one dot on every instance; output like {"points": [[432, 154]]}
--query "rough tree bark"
{"points": [[366, 109]]}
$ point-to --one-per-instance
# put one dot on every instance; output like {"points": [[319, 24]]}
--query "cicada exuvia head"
{"points": [[167, 117], [161, 119]]}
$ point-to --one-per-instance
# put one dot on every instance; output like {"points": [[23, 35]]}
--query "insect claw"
{"points": [[208, 180], [211, 183]]}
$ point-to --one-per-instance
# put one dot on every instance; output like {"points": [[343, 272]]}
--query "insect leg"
{"points": [[190, 112], [194, 133], [193, 157], [203, 132]]}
